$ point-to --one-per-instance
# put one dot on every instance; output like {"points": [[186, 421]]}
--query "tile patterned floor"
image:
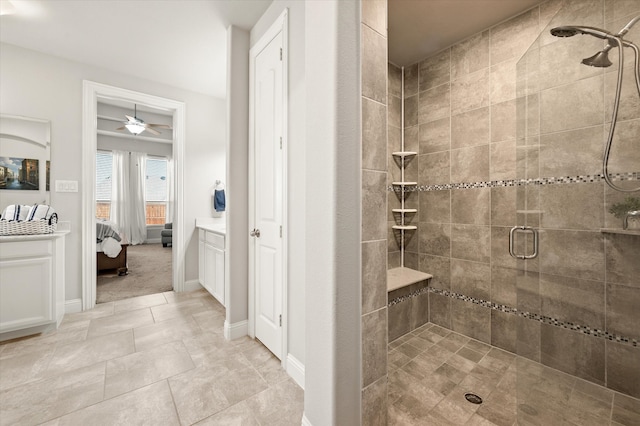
{"points": [[432, 368], [159, 359]]}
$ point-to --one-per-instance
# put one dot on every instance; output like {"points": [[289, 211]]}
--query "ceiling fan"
{"points": [[137, 125]]}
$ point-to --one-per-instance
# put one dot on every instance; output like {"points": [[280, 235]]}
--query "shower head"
{"points": [[600, 59], [564, 31], [570, 31]]}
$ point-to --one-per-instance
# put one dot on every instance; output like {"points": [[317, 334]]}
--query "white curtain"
{"points": [[138, 178], [119, 187], [127, 195], [170, 191]]}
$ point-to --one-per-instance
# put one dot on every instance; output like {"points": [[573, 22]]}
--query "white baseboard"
{"points": [[192, 285], [295, 369], [305, 421], [236, 330], [8, 335], [72, 306]]}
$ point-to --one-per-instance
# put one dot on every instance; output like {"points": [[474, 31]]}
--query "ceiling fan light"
{"points": [[135, 128]]}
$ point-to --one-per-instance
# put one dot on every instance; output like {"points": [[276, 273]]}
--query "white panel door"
{"points": [[268, 195]]}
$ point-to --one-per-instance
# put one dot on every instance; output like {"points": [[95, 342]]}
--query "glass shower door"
{"points": [[577, 276]]}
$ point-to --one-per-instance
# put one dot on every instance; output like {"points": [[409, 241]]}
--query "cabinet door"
{"points": [[201, 261], [209, 268], [26, 296], [219, 277]]}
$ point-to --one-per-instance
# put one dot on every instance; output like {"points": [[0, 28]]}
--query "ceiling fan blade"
{"points": [[121, 128], [155, 132], [159, 126], [107, 118]]}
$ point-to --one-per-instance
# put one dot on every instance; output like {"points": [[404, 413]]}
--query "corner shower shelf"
{"points": [[405, 227], [403, 188], [402, 158], [404, 153]]}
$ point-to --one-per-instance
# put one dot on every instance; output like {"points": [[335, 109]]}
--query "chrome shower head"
{"points": [[570, 31], [600, 59], [564, 31]]}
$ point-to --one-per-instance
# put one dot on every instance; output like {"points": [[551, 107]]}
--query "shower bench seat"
{"points": [[407, 300]]}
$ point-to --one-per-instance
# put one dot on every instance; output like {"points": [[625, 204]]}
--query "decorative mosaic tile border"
{"points": [[631, 176], [595, 332], [411, 295]]}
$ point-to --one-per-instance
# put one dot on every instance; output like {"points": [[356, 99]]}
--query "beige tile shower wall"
{"points": [[412, 169], [513, 102], [374, 211], [394, 143]]}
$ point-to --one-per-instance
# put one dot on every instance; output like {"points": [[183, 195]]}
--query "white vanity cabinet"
{"points": [[32, 280], [211, 252]]}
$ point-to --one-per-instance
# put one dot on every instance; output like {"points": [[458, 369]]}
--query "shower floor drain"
{"points": [[473, 398]]}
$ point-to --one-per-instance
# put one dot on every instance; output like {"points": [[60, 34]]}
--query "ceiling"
{"points": [[420, 28], [181, 43]]}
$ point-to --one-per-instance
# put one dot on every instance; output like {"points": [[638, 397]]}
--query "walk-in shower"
{"points": [[601, 60], [505, 131]]}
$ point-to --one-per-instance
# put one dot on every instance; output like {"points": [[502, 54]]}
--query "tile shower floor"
{"points": [[159, 359], [431, 369]]}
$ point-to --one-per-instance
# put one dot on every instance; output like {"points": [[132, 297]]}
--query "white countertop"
{"points": [[33, 237], [212, 225]]}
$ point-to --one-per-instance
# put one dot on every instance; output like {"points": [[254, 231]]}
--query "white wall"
{"points": [[39, 85], [237, 190], [333, 347], [297, 170]]}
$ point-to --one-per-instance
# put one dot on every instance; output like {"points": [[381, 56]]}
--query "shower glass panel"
{"points": [[578, 293]]}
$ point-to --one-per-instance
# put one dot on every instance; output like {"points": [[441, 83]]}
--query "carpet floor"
{"points": [[149, 273]]}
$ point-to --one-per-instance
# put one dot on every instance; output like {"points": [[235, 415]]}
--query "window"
{"points": [[104, 161], [156, 191]]}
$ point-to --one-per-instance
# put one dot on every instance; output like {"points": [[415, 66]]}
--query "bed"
{"points": [[111, 248]]}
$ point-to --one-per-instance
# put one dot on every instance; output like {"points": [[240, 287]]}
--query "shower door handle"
{"points": [[525, 229]]}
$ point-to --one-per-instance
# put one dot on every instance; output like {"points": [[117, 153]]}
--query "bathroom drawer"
{"points": [[24, 249], [215, 240]]}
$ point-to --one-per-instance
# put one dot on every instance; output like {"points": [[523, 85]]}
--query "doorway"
{"points": [[134, 208], [92, 93], [268, 188]]}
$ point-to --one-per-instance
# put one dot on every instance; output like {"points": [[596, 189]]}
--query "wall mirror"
{"points": [[25, 160]]}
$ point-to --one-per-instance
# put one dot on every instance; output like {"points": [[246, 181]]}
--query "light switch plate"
{"points": [[66, 186]]}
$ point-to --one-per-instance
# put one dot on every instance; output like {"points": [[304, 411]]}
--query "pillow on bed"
{"points": [[111, 247], [15, 212]]}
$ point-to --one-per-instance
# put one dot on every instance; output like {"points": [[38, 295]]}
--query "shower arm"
{"points": [[628, 26], [621, 34], [614, 118]]}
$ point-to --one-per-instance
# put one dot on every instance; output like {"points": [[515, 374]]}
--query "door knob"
{"points": [[255, 233]]}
